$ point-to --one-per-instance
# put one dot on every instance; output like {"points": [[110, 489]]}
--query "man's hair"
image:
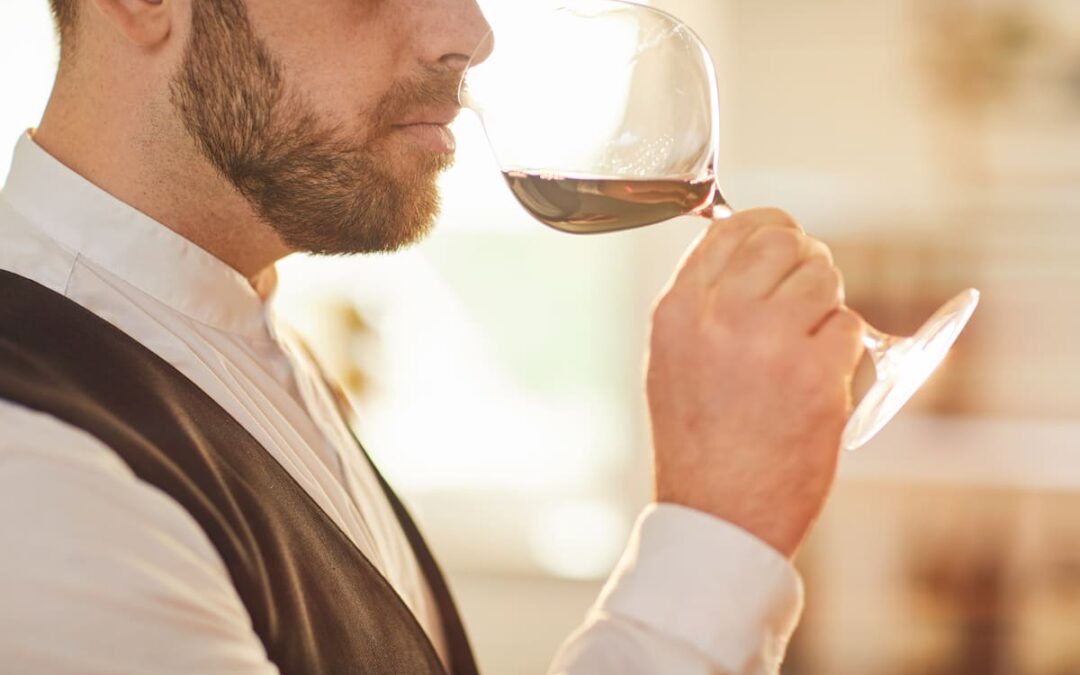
{"points": [[63, 12]]}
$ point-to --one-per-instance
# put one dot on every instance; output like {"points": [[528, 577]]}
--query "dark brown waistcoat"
{"points": [[317, 604]]}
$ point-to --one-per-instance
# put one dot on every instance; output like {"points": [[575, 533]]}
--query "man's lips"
{"points": [[442, 115], [429, 127]]}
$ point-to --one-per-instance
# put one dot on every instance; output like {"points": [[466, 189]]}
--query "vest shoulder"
{"points": [[51, 348]]}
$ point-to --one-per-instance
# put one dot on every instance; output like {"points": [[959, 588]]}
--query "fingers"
{"points": [[762, 262], [720, 242], [811, 293], [773, 259], [842, 331]]}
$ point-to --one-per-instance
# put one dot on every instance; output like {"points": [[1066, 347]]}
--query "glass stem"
{"points": [[718, 207], [878, 347]]}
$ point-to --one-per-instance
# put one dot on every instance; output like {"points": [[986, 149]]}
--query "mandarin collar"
{"points": [[92, 224]]}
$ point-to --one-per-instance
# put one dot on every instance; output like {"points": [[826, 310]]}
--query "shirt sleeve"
{"points": [[102, 572], [692, 594]]}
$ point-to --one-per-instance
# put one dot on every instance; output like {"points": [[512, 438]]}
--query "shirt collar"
{"points": [[97, 226]]}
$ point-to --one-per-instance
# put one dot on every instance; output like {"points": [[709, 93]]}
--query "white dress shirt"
{"points": [[103, 573]]}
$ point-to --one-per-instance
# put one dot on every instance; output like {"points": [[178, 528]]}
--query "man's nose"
{"points": [[457, 33]]}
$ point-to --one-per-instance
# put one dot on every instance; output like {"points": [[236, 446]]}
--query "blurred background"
{"points": [[496, 368]]}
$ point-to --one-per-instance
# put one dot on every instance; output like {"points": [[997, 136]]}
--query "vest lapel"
{"points": [[462, 661], [319, 605]]}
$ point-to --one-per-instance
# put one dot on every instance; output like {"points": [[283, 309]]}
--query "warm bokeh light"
{"points": [[496, 368]]}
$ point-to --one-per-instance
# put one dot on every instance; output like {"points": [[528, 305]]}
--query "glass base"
{"points": [[904, 366]]}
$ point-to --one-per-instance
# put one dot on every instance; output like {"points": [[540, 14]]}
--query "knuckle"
{"points": [[819, 268], [817, 280], [819, 249], [816, 250], [838, 289], [833, 281], [662, 308], [723, 234], [827, 277], [848, 322], [720, 227], [779, 243], [846, 328], [669, 311]]}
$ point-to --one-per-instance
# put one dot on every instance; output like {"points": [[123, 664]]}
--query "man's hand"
{"points": [[750, 361]]}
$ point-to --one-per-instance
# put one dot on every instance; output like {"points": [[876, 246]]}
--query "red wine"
{"points": [[585, 205]]}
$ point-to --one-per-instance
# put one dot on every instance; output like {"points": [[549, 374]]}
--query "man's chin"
{"points": [[411, 160], [379, 202], [407, 226], [360, 242], [418, 170]]}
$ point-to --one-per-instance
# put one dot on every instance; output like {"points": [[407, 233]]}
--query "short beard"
{"points": [[317, 191]]}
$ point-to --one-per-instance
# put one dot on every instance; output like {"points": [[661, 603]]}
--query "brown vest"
{"points": [[317, 604]]}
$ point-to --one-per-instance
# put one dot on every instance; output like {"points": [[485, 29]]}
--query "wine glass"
{"points": [[602, 115]]}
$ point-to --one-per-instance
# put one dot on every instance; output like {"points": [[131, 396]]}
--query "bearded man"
{"points": [[178, 493]]}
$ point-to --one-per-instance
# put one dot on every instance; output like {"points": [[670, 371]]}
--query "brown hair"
{"points": [[63, 12]]}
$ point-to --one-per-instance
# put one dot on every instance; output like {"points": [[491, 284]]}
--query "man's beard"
{"points": [[320, 192]]}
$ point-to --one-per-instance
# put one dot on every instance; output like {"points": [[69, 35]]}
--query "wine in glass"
{"points": [[602, 115]]}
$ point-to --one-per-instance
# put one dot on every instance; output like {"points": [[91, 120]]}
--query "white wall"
{"points": [[27, 67]]}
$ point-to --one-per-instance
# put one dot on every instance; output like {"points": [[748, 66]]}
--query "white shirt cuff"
{"points": [[701, 580]]}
